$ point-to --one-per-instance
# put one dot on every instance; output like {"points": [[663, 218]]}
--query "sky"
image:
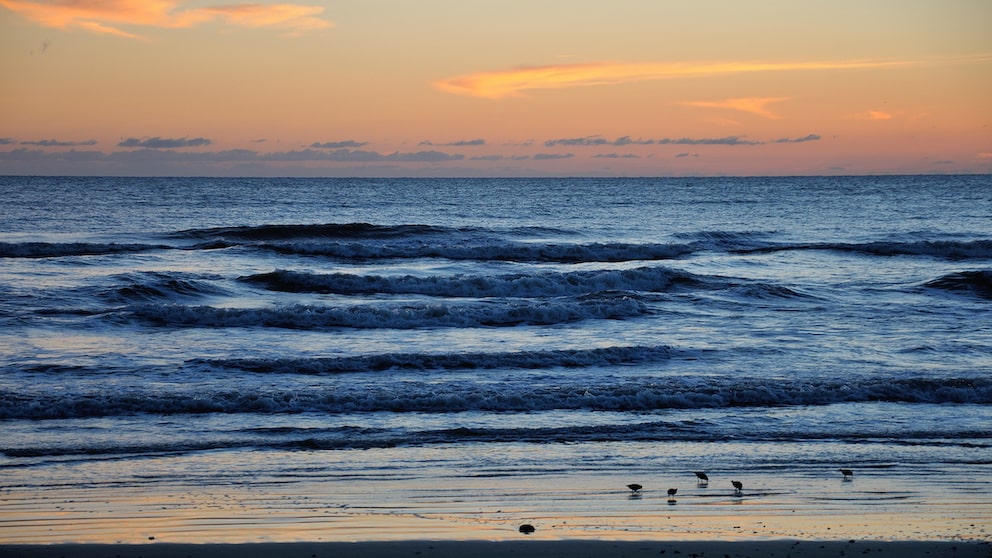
{"points": [[471, 88]]}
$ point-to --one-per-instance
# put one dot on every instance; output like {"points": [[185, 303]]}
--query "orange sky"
{"points": [[495, 87]]}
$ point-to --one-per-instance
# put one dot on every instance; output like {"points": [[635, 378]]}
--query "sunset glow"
{"points": [[106, 16], [495, 85], [446, 88], [750, 105]]}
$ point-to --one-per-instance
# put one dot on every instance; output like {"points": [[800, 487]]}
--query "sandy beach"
{"points": [[520, 549], [703, 523], [573, 515]]}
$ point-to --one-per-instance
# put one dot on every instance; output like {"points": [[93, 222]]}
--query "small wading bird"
{"points": [[701, 478], [848, 474], [635, 488], [738, 486], [671, 494], [527, 528]]}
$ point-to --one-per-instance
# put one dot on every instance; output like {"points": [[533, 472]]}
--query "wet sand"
{"points": [[491, 509], [518, 549], [876, 514]]}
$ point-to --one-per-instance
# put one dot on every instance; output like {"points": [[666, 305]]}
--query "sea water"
{"points": [[432, 357]]}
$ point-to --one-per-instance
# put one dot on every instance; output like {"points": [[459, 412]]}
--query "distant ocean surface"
{"points": [[194, 334]]}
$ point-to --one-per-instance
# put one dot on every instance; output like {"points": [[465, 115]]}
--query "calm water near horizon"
{"points": [[438, 357]]}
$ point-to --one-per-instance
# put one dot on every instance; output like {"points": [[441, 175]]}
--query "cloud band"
{"points": [[107, 16], [512, 83]]}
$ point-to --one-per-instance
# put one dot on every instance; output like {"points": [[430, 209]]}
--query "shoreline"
{"points": [[518, 548], [879, 506]]}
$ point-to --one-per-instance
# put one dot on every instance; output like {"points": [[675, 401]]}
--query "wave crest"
{"points": [[500, 313], [64, 249], [450, 361], [544, 284], [508, 396], [978, 283]]}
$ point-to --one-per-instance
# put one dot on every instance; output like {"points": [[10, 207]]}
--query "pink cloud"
{"points": [[752, 105], [873, 115], [295, 18], [511, 83], [878, 115], [108, 16]]}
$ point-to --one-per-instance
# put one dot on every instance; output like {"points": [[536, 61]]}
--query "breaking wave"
{"points": [[509, 396], [498, 313], [978, 283], [450, 361], [149, 286], [364, 241], [540, 284], [943, 249]]}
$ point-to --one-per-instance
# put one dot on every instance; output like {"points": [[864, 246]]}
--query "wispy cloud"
{"points": [[338, 144], [804, 139], [164, 143], [596, 141], [752, 105], [461, 143], [423, 157], [599, 141], [552, 156], [616, 156], [230, 156], [355, 156], [111, 16], [513, 82], [58, 143], [873, 115], [729, 140], [500, 158], [23, 154], [7, 141], [293, 18]]}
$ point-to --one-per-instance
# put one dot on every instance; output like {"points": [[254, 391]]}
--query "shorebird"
{"points": [[738, 486], [848, 474], [527, 528], [635, 488], [702, 478], [671, 493]]}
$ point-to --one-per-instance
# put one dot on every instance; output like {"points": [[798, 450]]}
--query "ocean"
{"points": [[229, 359]]}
